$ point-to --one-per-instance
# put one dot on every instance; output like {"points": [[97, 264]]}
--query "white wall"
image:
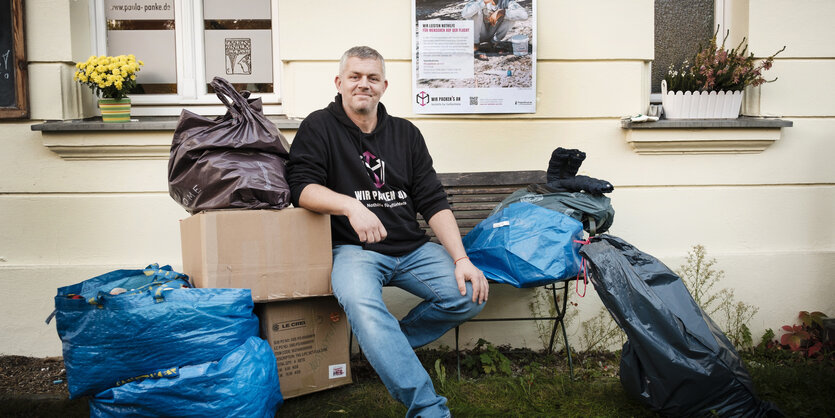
{"points": [[765, 217]]}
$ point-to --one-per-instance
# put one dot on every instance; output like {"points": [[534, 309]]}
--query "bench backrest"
{"points": [[474, 195]]}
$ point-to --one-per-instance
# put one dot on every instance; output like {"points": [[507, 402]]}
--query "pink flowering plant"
{"points": [[715, 68]]}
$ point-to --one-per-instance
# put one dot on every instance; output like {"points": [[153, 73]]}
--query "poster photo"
{"points": [[474, 56]]}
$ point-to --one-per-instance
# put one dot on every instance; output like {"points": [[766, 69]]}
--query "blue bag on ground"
{"points": [[676, 360], [244, 383], [158, 322], [525, 245]]}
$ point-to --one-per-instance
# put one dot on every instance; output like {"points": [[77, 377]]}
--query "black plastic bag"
{"points": [[676, 360], [234, 161]]}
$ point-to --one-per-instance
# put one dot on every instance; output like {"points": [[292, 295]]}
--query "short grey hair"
{"points": [[362, 52]]}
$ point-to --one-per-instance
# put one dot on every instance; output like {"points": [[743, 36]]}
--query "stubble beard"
{"points": [[364, 108]]}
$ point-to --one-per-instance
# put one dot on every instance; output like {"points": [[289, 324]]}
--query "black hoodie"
{"points": [[389, 170]]}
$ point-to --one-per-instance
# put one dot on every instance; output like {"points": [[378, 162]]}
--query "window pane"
{"points": [[146, 30], [680, 25], [236, 10], [238, 43]]}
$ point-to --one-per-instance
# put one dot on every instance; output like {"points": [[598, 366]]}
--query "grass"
{"points": [[537, 386]]}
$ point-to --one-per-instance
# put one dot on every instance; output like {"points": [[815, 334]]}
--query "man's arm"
{"points": [[446, 229], [473, 8], [366, 224], [515, 12]]}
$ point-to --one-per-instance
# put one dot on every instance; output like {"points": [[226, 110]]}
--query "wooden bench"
{"points": [[472, 197]]}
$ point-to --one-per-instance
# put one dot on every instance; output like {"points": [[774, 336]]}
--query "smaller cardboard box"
{"points": [[310, 340], [279, 254]]}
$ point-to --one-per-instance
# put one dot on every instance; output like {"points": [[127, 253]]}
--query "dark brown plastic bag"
{"points": [[233, 161]]}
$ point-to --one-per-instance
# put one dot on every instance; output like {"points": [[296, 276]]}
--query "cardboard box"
{"points": [[279, 254], [310, 340]]}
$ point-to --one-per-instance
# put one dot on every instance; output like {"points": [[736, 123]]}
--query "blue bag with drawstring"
{"points": [[129, 323], [244, 383], [525, 245]]}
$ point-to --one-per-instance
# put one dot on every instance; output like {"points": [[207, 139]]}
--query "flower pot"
{"points": [[700, 104], [115, 111]]}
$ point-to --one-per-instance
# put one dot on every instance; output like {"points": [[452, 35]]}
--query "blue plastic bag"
{"points": [[244, 383], [525, 245], [157, 323]]}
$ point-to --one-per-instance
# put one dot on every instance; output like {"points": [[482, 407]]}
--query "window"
{"points": [[680, 26], [184, 44]]}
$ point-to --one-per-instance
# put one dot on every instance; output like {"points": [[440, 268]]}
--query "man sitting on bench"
{"points": [[373, 173]]}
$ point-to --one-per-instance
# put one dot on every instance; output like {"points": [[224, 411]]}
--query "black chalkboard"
{"points": [[7, 72], [12, 60]]}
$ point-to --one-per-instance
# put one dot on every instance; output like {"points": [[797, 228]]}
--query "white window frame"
{"points": [[191, 76], [721, 17]]}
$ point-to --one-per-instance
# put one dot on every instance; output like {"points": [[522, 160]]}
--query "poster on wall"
{"points": [[474, 56]]}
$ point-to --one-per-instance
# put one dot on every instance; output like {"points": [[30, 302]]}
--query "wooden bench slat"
{"points": [[492, 178], [477, 198], [471, 214], [500, 190], [474, 206], [462, 223]]}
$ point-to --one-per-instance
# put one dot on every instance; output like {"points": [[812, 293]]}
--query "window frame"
{"points": [[721, 17], [191, 89]]}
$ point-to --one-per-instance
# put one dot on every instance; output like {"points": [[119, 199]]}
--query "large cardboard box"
{"points": [[310, 340], [279, 254]]}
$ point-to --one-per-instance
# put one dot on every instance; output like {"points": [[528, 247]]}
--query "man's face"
{"points": [[361, 84]]}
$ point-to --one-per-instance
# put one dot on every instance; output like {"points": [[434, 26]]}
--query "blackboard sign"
{"points": [[13, 100]]}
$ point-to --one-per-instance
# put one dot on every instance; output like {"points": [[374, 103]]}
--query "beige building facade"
{"points": [[81, 202]]}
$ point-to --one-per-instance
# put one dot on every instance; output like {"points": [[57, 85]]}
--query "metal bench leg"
{"points": [[564, 333], [557, 320], [457, 354]]}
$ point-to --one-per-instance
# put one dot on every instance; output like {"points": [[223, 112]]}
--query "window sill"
{"points": [[62, 137], [704, 136]]}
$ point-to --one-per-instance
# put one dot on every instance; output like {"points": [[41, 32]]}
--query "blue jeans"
{"points": [[428, 272]]}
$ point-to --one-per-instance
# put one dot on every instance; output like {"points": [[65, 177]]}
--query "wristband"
{"points": [[456, 261]]}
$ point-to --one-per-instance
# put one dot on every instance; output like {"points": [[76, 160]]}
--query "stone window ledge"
{"points": [[704, 136], [92, 139]]}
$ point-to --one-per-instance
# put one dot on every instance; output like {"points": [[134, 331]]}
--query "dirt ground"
{"points": [[32, 376], [503, 60]]}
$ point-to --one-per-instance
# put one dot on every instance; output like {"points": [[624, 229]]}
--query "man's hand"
{"points": [[366, 224], [466, 271], [495, 16]]}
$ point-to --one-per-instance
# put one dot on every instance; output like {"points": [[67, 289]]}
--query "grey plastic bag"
{"points": [[594, 211]]}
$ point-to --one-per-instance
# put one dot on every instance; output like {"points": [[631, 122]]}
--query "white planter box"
{"points": [[700, 104]]}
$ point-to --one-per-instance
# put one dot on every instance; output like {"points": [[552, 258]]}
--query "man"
{"points": [[491, 21], [373, 173]]}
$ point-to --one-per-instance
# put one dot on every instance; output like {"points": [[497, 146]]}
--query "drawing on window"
{"points": [[239, 56]]}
